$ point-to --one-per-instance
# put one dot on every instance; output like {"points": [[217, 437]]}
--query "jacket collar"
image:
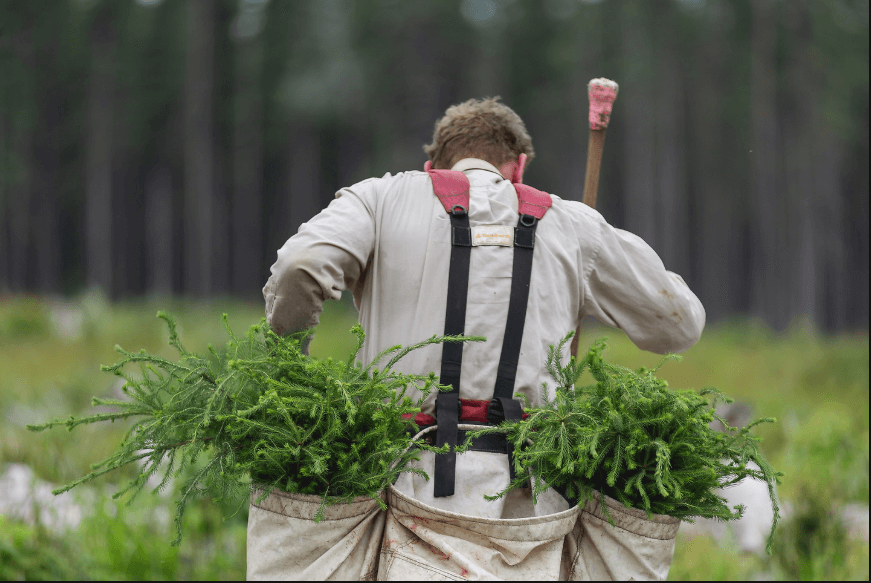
{"points": [[475, 164]]}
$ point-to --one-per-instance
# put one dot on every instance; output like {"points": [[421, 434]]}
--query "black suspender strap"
{"points": [[503, 405], [521, 275], [448, 404]]}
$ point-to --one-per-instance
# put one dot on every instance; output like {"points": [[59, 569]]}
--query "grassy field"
{"points": [[50, 352]]}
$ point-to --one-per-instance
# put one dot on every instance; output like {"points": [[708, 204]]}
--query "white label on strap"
{"points": [[493, 235]]}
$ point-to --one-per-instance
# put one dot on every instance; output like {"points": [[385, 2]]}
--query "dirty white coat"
{"points": [[388, 241]]}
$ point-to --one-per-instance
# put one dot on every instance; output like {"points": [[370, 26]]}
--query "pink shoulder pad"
{"points": [[532, 201], [451, 186]]}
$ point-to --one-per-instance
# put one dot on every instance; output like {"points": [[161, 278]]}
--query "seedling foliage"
{"points": [[633, 438], [262, 413]]}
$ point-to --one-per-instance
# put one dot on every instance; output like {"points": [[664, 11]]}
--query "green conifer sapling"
{"points": [[633, 438], [262, 412]]}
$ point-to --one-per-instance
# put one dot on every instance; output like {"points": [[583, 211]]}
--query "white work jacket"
{"points": [[388, 240]]}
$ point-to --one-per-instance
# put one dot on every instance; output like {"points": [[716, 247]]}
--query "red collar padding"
{"points": [[531, 201], [452, 188]]}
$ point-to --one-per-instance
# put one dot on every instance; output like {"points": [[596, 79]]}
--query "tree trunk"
{"points": [[303, 198], [801, 129], [248, 275], [419, 62], [485, 66], [5, 163], [49, 141], [159, 235], [672, 204], [830, 271], [221, 221], [638, 130], [20, 180], [767, 228], [588, 48], [199, 149], [98, 202], [47, 241], [717, 237]]}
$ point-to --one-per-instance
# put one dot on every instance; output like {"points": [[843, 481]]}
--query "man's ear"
{"points": [[519, 169]]}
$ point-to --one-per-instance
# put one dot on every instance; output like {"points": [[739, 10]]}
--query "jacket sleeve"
{"points": [[327, 255], [628, 287]]}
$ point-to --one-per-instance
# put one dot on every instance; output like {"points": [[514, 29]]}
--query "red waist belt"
{"points": [[470, 410]]}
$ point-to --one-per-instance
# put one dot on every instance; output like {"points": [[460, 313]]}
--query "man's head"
{"points": [[480, 128]]}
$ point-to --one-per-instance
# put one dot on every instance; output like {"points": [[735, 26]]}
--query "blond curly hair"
{"points": [[479, 128]]}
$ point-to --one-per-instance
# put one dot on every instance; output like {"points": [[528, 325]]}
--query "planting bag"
{"points": [[635, 548], [466, 537], [285, 543], [459, 537]]}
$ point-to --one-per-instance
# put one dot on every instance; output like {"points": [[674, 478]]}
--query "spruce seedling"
{"points": [[262, 413], [633, 438]]}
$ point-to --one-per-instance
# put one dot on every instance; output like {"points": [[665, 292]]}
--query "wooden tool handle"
{"points": [[591, 189], [594, 165], [602, 94]]}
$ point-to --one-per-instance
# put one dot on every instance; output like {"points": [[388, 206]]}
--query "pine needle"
{"points": [[262, 414], [636, 440]]}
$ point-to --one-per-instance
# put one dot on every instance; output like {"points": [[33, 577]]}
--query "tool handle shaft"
{"points": [[594, 165], [591, 189]]}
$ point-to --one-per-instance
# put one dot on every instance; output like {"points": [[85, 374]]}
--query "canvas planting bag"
{"points": [[465, 537], [286, 544], [634, 548]]}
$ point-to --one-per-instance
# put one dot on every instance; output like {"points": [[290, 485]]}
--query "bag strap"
{"points": [[452, 190], [521, 277]]}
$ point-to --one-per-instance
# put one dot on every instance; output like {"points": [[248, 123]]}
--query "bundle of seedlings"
{"points": [[262, 413], [631, 437]]}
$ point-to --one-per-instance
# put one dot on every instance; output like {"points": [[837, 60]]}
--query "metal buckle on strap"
{"points": [[496, 410], [495, 413]]}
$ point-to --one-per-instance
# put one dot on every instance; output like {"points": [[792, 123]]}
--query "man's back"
{"points": [[389, 240]]}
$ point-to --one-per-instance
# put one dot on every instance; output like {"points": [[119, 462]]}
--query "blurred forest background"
{"points": [[161, 151], [170, 147]]}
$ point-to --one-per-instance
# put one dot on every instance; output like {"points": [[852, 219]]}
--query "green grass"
{"points": [[816, 386]]}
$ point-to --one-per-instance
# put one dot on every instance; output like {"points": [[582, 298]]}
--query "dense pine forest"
{"points": [[171, 146]]}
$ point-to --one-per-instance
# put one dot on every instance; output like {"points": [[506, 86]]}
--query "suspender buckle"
{"points": [[496, 412], [527, 220], [459, 210]]}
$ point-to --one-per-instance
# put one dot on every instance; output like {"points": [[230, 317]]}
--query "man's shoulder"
{"points": [[378, 188], [577, 211], [387, 181]]}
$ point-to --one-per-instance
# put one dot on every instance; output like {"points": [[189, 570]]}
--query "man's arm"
{"points": [[629, 288], [326, 256]]}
